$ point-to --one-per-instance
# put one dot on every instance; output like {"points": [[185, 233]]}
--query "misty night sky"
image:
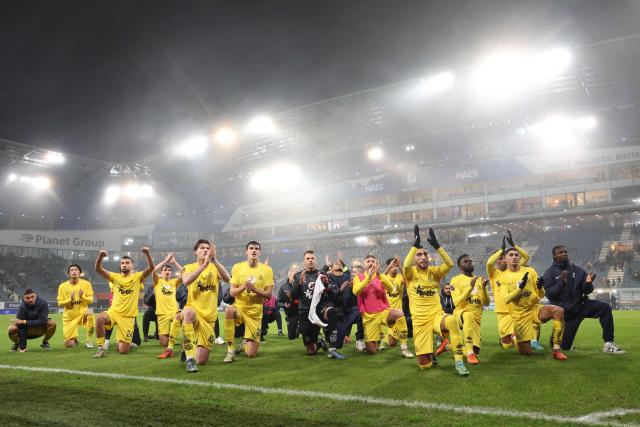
{"points": [[115, 80]]}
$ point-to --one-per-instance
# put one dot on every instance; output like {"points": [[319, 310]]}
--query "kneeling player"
{"points": [[165, 288], [469, 297], [251, 283], [124, 307], [423, 288], [523, 293], [371, 289], [201, 278], [74, 296]]}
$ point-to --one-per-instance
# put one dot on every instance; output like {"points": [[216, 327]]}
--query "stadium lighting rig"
{"points": [[560, 131], [225, 136], [281, 176], [375, 154], [38, 183], [261, 125], [437, 83], [54, 158], [192, 147], [128, 192]]}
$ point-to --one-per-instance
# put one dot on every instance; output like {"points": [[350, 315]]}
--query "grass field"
{"points": [[505, 389]]}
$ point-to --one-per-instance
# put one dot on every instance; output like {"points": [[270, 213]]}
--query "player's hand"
{"points": [[416, 236], [80, 293], [370, 271], [591, 277], [324, 279], [18, 322], [213, 252], [170, 256], [504, 243], [510, 239], [346, 285], [564, 276], [145, 250], [485, 282], [473, 282], [540, 283], [102, 254], [287, 305], [524, 280], [266, 261], [73, 295], [432, 239]]}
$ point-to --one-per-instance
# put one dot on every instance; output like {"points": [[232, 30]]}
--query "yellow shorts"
{"points": [[70, 325], [164, 323], [505, 324], [423, 330], [373, 322], [252, 324], [471, 334], [124, 324], [204, 331], [524, 326]]}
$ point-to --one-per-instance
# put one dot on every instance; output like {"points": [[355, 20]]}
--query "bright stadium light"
{"points": [[586, 123], [12, 177], [561, 131], [192, 147], [361, 240], [548, 64], [41, 183], [437, 83], [54, 158], [375, 153], [225, 136], [261, 125], [146, 190], [111, 195]]}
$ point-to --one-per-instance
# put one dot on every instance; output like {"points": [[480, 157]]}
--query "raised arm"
{"points": [[517, 292], [62, 298], [491, 262], [484, 293], [101, 271], [224, 275], [407, 266], [189, 278], [360, 284], [387, 283], [524, 256], [458, 295], [150, 266]]}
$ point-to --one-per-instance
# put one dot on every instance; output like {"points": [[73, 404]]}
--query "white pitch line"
{"points": [[588, 419]]}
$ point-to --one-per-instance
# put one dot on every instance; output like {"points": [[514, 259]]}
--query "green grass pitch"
{"points": [[589, 382]]}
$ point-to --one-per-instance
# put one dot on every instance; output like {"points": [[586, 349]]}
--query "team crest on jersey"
{"points": [[123, 291], [166, 290], [425, 292], [202, 287]]}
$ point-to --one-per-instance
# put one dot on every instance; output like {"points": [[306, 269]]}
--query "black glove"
{"points": [[523, 282], [504, 243], [510, 239], [416, 235], [540, 283], [432, 239]]}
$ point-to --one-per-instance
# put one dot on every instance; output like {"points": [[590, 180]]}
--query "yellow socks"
{"points": [[189, 342], [557, 331], [173, 332], [91, 326], [456, 339], [400, 331], [100, 341], [229, 333]]}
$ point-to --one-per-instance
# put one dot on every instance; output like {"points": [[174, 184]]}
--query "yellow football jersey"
{"points": [[494, 278], [263, 275], [203, 292], [165, 291], [466, 299], [77, 306], [126, 292], [521, 301], [395, 297], [423, 286]]}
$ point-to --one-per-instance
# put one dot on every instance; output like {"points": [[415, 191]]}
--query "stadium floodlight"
{"points": [[131, 190], [375, 153], [361, 240], [41, 183], [586, 123], [12, 177], [560, 131], [146, 190], [548, 64], [111, 195], [225, 136], [54, 158], [437, 83], [192, 147], [261, 125]]}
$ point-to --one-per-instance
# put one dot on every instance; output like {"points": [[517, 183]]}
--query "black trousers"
{"points": [[591, 309], [273, 317], [293, 331], [344, 325], [148, 317]]}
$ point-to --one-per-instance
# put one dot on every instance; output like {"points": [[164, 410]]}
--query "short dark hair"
{"points": [[29, 291], [126, 257], [308, 251], [389, 261], [555, 248], [167, 266], [199, 242], [370, 256], [461, 257], [511, 250], [254, 243], [74, 265]]}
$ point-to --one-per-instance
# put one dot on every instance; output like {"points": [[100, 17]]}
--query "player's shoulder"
{"points": [[63, 285], [239, 266], [85, 282], [190, 267]]}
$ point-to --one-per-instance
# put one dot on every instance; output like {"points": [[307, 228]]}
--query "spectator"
{"points": [[32, 321]]}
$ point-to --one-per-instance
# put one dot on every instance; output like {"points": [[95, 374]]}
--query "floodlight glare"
{"points": [[281, 176], [225, 136], [586, 123], [12, 177], [192, 147], [437, 83], [111, 195], [54, 158], [375, 153], [41, 182], [261, 125]]}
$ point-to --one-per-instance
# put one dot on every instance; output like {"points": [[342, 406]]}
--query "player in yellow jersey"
{"points": [[164, 288], [469, 295], [124, 308], [523, 291], [201, 279], [496, 264], [423, 289], [74, 296], [251, 284], [397, 333]]}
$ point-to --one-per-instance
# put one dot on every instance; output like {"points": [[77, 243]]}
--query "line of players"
{"points": [[517, 293]]}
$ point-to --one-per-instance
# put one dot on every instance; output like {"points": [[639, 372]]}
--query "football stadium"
{"points": [[320, 213]]}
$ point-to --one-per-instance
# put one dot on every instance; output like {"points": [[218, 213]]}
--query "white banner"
{"points": [[576, 159], [81, 240]]}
